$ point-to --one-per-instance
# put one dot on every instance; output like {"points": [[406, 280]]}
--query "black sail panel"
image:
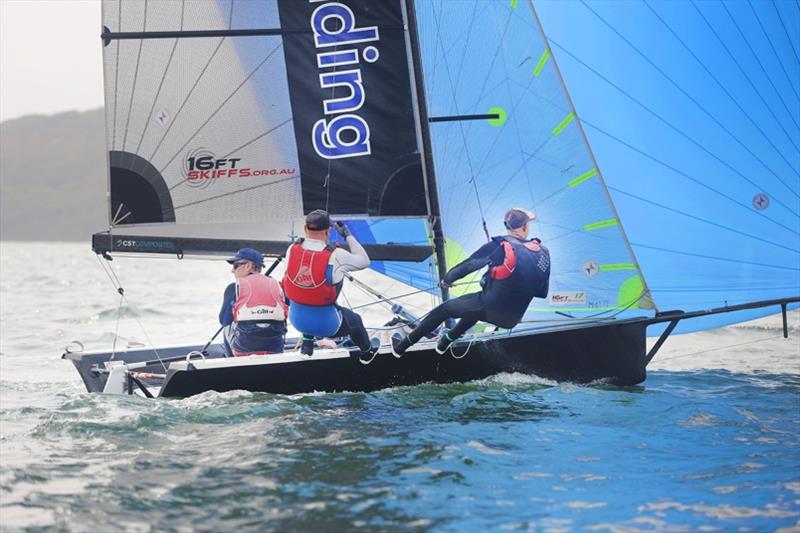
{"points": [[352, 105]]}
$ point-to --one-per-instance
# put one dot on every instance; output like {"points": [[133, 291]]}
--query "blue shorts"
{"points": [[247, 338], [322, 321]]}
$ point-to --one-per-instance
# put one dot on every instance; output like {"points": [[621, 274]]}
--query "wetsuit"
{"points": [[502, 302], [250, 336], [319, 315]]}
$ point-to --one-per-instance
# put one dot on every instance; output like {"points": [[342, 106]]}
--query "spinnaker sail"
{"points": [[692, 111]]}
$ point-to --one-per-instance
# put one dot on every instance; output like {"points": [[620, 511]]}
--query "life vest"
{"points": [[525, 268], [305, 281], [259, 298]]}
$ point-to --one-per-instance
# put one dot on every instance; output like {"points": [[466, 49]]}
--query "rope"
{"points": [[428, 289], [462, 133], [462, 356], [112, 276]]}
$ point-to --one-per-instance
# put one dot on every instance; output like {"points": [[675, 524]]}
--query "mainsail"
{"points": [[224, 113]]}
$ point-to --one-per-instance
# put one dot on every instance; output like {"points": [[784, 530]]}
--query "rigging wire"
{"points": [[518, 137], [463, 135], [112, 276]]}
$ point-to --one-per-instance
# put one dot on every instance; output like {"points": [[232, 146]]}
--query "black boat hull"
{"points": [[614, 352]]}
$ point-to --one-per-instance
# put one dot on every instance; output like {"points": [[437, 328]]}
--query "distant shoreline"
{"points": [[53, 176]]}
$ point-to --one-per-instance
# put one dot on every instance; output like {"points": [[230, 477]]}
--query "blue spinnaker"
{"points": [[692, 111]]}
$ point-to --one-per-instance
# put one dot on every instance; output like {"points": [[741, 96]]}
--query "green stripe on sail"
{"points": [[602, 224], [514, 4], [574, 182], [617, 266], [542, 62], [563, 124]]}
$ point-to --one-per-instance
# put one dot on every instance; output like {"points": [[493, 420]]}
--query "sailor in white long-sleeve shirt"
{"points": [[314, 277]]}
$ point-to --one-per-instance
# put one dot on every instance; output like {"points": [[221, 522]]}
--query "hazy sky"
{"points": [[50, 56]]}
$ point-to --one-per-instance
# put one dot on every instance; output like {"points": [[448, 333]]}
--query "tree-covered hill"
{"points": [[53, 176]]}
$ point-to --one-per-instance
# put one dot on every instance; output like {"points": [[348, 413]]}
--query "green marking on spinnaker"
{"points": [[501, 119], [454, 254], [600, 225], [514, 4], [542, 62], [617, 266], [574, 182], [563, 124], [630, 291]]}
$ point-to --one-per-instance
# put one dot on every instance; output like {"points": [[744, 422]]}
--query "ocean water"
{"points": [[709, 442]]}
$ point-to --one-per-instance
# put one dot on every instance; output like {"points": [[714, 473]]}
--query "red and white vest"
{"points": [[305, 281], [258, 298], [509, 264]]}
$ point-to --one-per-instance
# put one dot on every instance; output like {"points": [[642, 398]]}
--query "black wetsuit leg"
{"points": [[353, 326], [469, 308]]}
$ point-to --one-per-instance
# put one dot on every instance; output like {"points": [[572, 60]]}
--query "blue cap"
{"points": [[248, 254]]}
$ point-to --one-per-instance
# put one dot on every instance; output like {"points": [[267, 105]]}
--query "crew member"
{"points": [[253, 309], [519, 270], [314, 276]]}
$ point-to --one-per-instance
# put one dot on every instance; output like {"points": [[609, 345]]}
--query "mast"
{"points": [[431, 191]]}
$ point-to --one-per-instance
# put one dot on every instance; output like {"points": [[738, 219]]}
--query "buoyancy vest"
{"points": [[305, 280], [525, 268], [259, 299]]}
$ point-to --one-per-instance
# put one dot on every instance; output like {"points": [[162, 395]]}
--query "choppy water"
{"points": [[710, 442]]}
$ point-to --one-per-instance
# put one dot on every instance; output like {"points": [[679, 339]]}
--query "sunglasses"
{"points": [[239, 263]]}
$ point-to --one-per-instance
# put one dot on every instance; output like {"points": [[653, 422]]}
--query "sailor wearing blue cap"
{"points": [[254, 309], [518, 270]]}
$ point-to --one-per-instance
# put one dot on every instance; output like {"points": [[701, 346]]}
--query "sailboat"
{"points": [[657, 144]]}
